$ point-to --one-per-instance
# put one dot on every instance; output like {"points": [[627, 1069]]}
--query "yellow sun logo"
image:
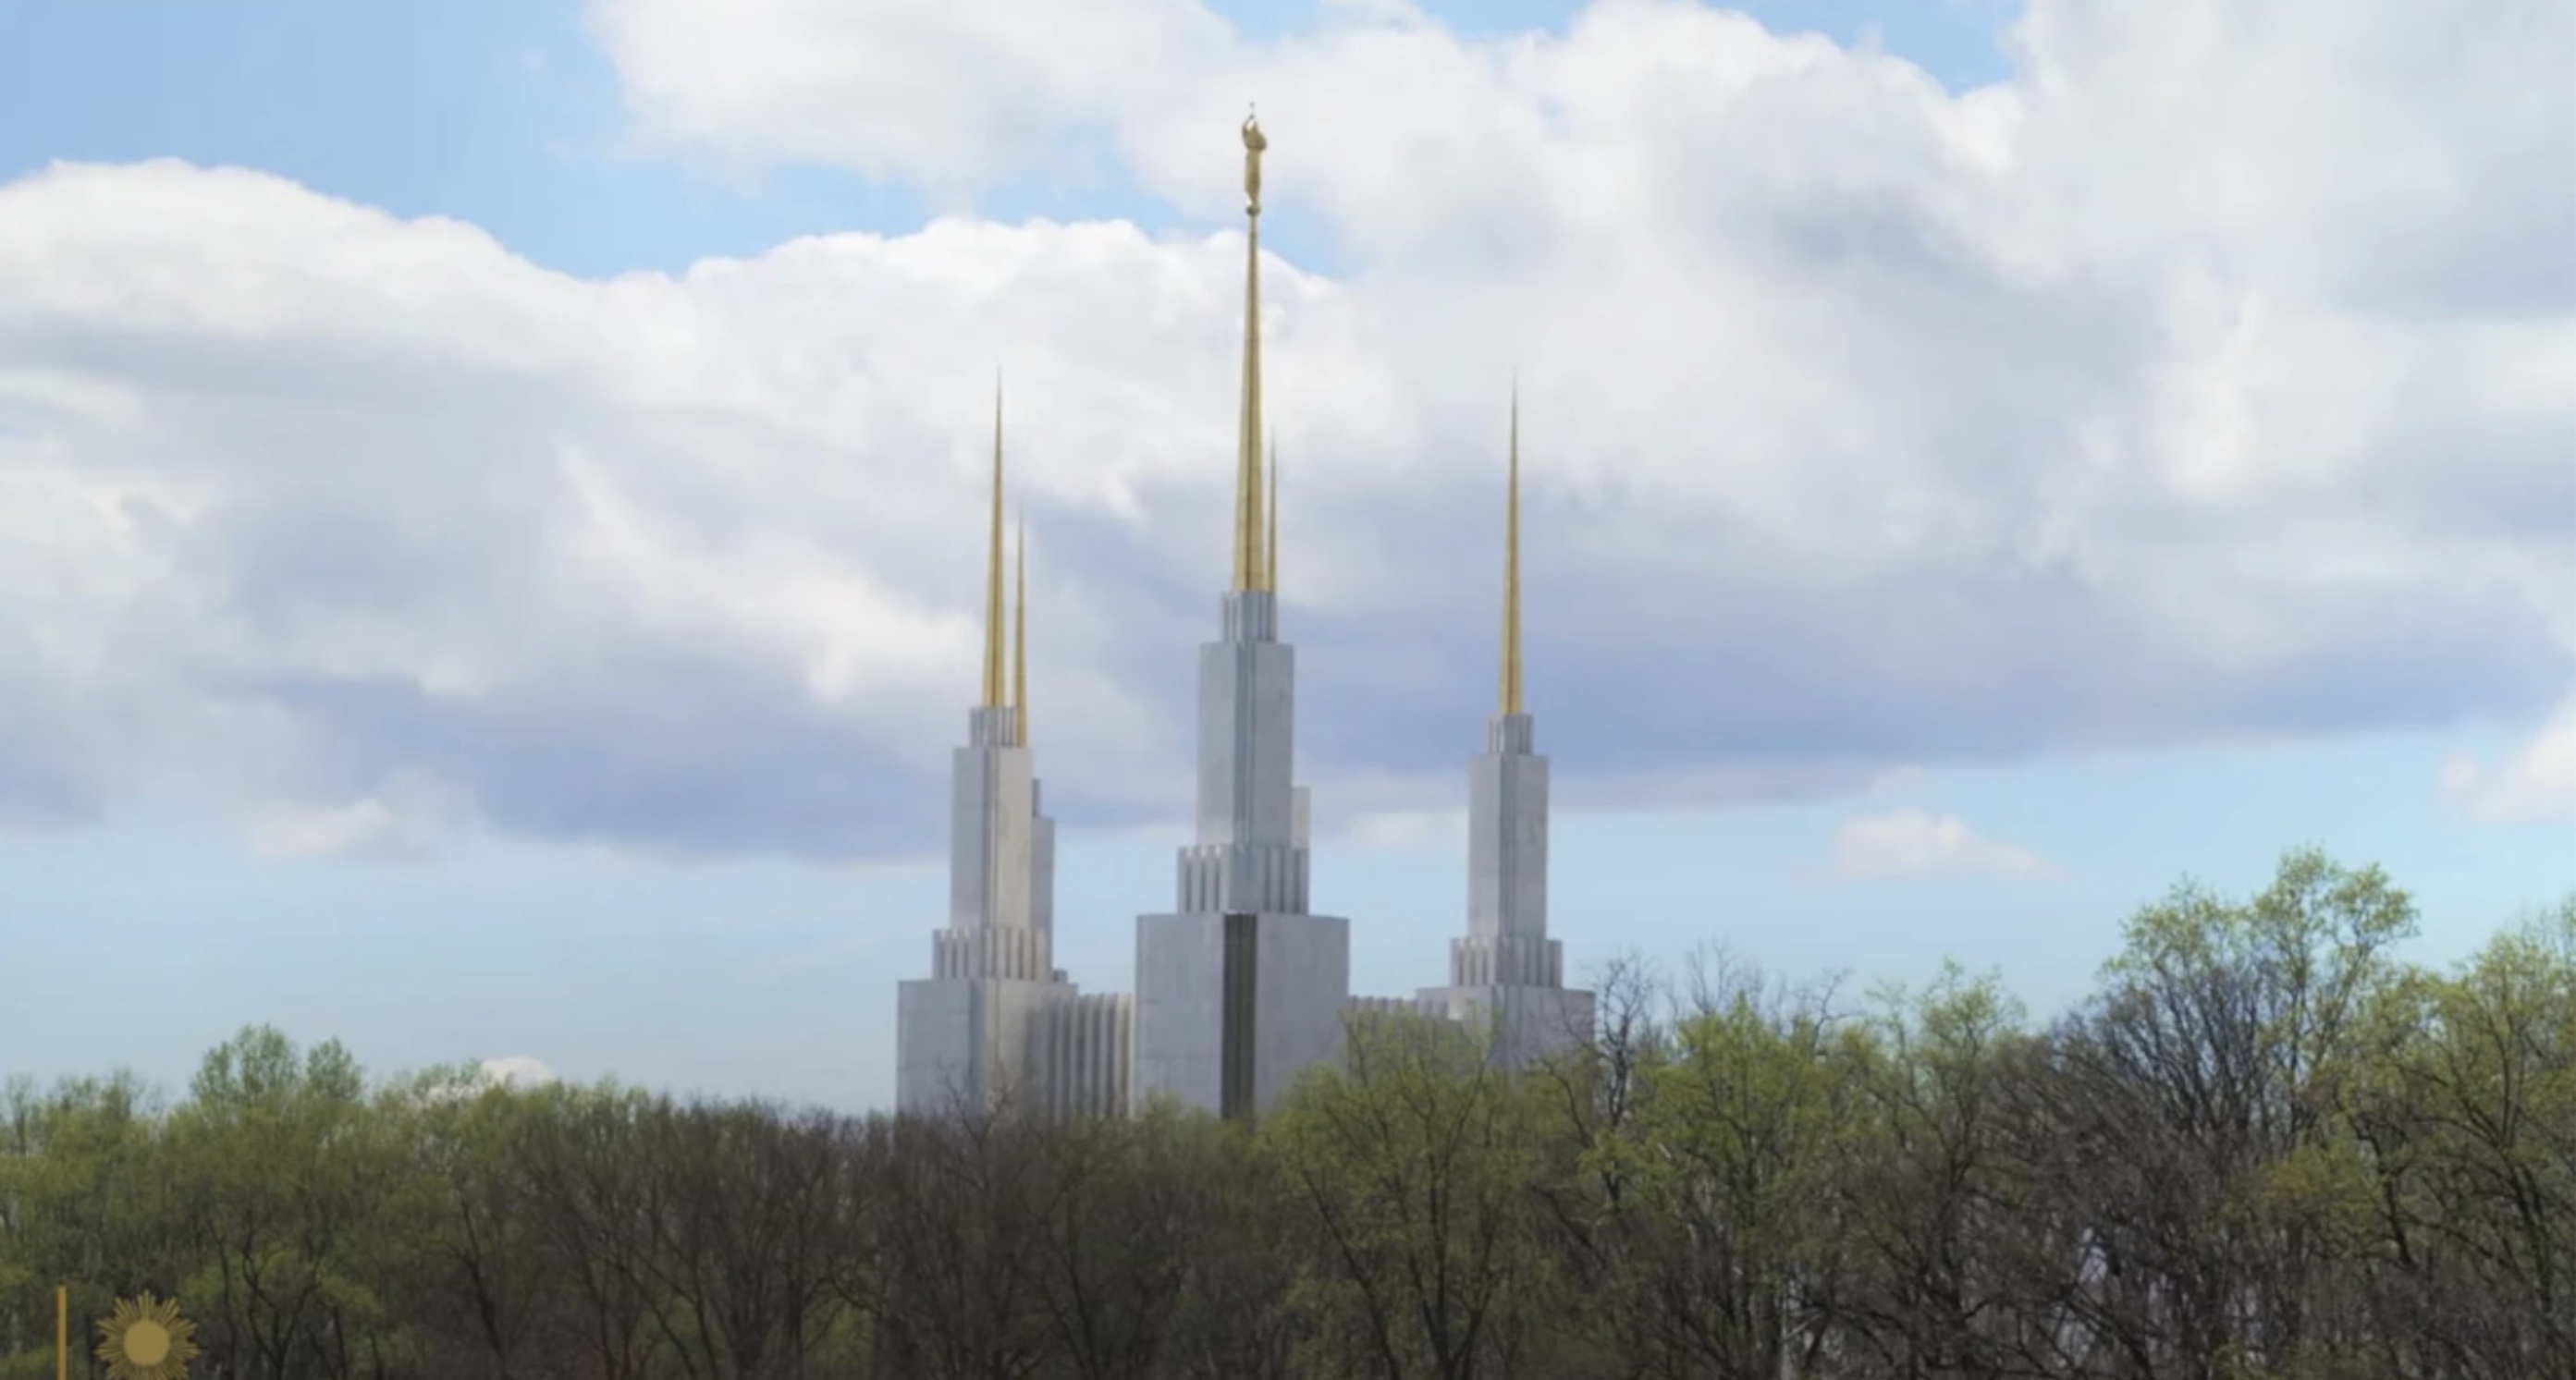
{"points": [[146, 1339]]}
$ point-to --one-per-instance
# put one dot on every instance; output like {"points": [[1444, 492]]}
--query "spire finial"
{"points": [[1511, 696], [993, 571], [1250, 570], [1254, 143], [1020, 631], [1270, 534]]}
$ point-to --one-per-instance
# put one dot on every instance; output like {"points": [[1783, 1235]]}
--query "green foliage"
{"points": [[1412, 1165], [2265, 1147]]}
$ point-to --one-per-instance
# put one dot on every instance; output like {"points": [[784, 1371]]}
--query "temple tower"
{"points": [[1238, 988], [1505, 973], [964, 1036]]}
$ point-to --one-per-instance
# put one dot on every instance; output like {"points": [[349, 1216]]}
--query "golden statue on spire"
{"points": [[1253, 145]]}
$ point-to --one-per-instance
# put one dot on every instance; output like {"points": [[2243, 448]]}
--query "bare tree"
{"points": [[580, 1159], [959, 1247], [1234, 1318], [1924, 1194], [742, 1222]]}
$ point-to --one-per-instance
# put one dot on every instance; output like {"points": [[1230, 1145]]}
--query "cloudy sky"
{"points": [[490, 492]]}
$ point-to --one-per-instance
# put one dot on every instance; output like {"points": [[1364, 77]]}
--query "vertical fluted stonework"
{"points": [[1247, 857]]}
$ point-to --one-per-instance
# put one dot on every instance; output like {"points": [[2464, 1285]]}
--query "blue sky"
{"points": [[778, 977], [152, 929]]}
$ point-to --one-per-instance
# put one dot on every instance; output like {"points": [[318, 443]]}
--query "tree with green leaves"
{"points": [[2191, 1131], [2265, 1148], [1411, 1166], [2473, 1123], [292, 1198], [1925, 1193]]}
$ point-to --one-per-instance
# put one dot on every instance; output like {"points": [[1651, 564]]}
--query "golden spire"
{"points": [[1512, 569], [1270, 536], [1020, 630], [1250, 570], [993, 572]]}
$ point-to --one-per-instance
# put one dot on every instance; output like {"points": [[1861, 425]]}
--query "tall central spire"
{"points": [[993, 686], [1250, 569], [1511, 697]]}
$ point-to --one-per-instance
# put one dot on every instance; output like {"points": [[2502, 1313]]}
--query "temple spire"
{"points": [[1250, 569], [993, 572], [1511, 696], [1270, 536], [1020, 632]]}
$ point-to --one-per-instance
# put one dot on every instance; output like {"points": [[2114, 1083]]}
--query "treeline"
{"points": [[2264, 1147]]}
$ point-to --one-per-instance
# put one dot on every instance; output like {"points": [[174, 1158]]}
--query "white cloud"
{"points": [[2215, 373], [411, 818], [509, 1070], [522, 1070], [936, 90], [1405, 828], [1912, 843], [2537, 781]]}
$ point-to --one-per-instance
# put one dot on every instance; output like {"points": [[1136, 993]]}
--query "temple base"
{"points": [[1230, 1008], [1526, 1025]]}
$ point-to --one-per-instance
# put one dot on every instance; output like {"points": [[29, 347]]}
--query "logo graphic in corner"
{"points": [[146, 1339]]}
